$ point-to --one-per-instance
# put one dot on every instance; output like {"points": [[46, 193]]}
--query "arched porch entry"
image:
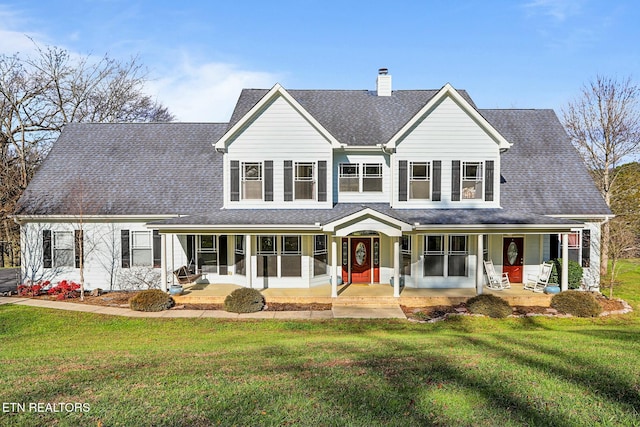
{"points": [[366, 249]]}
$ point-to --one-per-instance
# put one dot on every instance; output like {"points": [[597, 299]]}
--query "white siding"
{"points": [[102, 244], [279, 133], [448, 133]]}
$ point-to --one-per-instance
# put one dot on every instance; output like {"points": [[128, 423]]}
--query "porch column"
{"points": [[396, 267], [247, 260], [479, 266], [564, 281], [163, 262], [334, 267]]}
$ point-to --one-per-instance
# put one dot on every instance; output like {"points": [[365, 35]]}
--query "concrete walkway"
{"points": [[337, 312]]}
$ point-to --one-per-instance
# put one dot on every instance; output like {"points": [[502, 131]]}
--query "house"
{"points": [[307, 187]]}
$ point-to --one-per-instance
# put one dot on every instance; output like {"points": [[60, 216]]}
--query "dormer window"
{"points": [[251, 181], [472, 179]]}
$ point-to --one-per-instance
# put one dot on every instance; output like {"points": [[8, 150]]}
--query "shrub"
{"points": [[575, 273], [244, 300], [32, 289], [65, 289], [151, 300], [489, 305], [576, 303]]}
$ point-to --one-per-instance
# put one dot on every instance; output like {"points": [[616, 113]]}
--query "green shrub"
{"points": [[575, 273], [489, 305], [576, 303], [151, 300], [244, 300]]}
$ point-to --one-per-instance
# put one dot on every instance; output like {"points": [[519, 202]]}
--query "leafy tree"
{"points": [[41, 93], [604, 125]]}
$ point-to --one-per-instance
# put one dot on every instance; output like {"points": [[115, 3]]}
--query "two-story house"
{"points": [[308, 187]]}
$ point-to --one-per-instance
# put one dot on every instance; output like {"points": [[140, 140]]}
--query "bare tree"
{"points": [[604, 125], [39, 94], [622, 244]]}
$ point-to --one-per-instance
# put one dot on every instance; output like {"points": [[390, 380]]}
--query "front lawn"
{"points": [[200, 372]]}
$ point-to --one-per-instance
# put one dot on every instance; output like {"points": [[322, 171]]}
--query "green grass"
{"points": [[199, 372]]}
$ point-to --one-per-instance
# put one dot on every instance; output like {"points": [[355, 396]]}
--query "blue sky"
{"points": [[506, 54]]}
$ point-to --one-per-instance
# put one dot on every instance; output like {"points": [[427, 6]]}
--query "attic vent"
{"points": [[383, 82]]}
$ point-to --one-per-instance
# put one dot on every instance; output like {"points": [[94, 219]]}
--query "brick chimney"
{"points": [[383, 82]]}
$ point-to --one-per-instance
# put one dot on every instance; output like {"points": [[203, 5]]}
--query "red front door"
{"points": [[361, 258], [513, 257]]}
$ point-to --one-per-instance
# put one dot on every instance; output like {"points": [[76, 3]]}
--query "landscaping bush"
{"points": [[32, 289], [489, 305], [151, 300], [576, 303], [575, 273], [244, 300], [65, 289]]}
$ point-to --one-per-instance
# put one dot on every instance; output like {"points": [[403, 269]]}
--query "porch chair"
{"points": [[184, 276], [496, 282], [537, 283]]}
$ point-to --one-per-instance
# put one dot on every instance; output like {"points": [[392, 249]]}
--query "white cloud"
{"points": [[559, 10], [12, 41], [205, 92]]}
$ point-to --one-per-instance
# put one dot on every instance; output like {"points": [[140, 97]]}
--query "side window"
{"points": [[419, 181], [372, 177], [251, 181], [472, 180], [349, 177]]}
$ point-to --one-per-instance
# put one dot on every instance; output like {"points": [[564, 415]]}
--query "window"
{"points": [[63, 249], [455, 252], [320, 255], [349, 179], [251, 181], [267, 256], [434, 256], [304, 182], [207, 254], [239, 254], [419, 181], [457, 256], [291, 260], [472, 179], [405, 255], [141, 249], [372, 177]]}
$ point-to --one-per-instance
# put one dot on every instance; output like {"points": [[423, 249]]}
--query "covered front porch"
{"points": [[363, 294]]}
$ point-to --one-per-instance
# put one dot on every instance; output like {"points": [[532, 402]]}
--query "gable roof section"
{"points": [[277, 90], [542, 172], [128, 169], [448, 91], [352, 117]]}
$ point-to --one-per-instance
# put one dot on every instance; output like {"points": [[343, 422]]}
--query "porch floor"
{"points": [[363, 294]]}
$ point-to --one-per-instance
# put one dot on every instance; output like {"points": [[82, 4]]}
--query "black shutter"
{"points": [[79, 246], [191, 252], [455, 180], [126, 248], [586, 248], [235, 180], [288, 180], [437, 181], [46, 249], [157, 249], [402, 180], [488, 180], [322, 180], [268, 180]]}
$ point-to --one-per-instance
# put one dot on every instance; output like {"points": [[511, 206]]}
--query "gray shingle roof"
{"points": [[129, 169], [354, 117], [173, 169]]}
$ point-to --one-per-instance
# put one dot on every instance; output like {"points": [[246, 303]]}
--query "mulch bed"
{"points": [[121, 298]]}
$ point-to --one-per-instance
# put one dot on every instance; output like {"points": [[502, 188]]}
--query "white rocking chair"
{"points": [[537, 283], [495, 281]]}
